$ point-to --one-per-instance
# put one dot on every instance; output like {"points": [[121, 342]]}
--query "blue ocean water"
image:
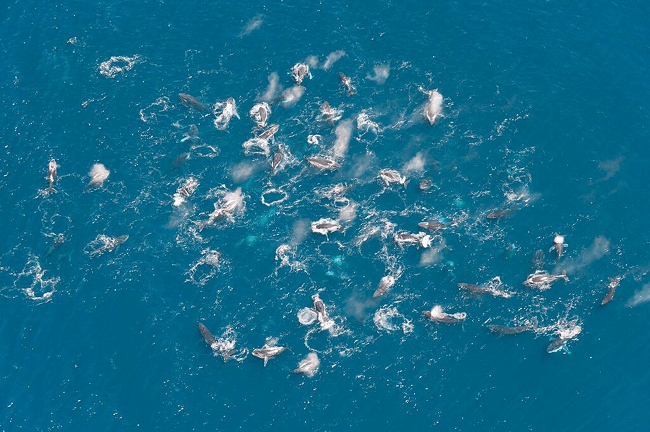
{"points": [[544, 114]]}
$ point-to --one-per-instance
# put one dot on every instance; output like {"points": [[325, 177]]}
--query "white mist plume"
{"points": [[343, 133], [292, 95], [253, 24], [416, 163], [272, 90], [598, 249], [640, 296], [381, 73], [98, 174]]}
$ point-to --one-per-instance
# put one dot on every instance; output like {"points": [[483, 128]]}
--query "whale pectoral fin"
{"points": [[266, 360]]}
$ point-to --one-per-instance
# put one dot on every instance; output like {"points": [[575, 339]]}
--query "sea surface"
{"points": [[539, 112]]}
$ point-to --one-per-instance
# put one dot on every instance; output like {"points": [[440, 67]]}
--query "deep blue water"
{"points": [[545, 113]]}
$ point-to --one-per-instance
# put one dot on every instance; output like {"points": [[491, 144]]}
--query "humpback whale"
{"points": [[277, 159], [325, 226], [231, 202], [192, 102], [329, 114], [322, 163], [103, 243], [433, 226], [557, 345], [321, 312], [228, 110], [392, 176], [299, 71], [269, 133], [269, 350], [559, 245], [425, 185], [207, 336], [500, 213], [542, 280], [185, 191], [436, 314], [347, 83], [420, 238], [613, 284], [433, 108], [508, 330], [384, 285], [51, 175], [260, 114], [563, 337], [476, 289]]}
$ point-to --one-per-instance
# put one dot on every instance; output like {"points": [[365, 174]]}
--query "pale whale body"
{"points": [[436, 314], [52, 167], [323, 163], [325, 226], [269, 350], [542, 280]]}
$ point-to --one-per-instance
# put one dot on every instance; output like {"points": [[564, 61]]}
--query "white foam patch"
{"points": [[153, 110], [273, 196], [224, 112], [307, 316], [103, 243], [389, 319], [365, 124], [224, 346], [255, 146], [98, 175], [204, 269], [32, 281], [286, 255], [117, 64]]}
